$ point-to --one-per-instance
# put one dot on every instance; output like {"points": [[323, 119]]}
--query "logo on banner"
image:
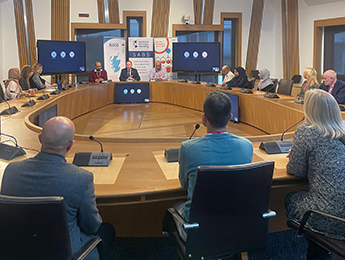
{"points": [[115, 63]]}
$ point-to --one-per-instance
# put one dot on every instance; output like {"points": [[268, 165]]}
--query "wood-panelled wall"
{"points": [[197, 11], [100, 5], [159, 26], [254, 35], [114, 14], [290, 38], [21, 40], [60, 19], [208, 12]]}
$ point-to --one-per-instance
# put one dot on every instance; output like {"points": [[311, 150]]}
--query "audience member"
{"points": [[334, 86], [228, 75], [318, 154], [265, 83], [12, 87], [239, 80], [36, 81], [98, 74], [25, 74], [158, 73], [218, 147], [309, 74], [129, 73], [48, 174]]}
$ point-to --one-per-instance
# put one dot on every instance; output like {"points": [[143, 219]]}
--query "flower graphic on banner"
{"points": [[115, 63]]}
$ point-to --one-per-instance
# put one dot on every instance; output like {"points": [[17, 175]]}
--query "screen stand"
{"points": [[196, 81]]}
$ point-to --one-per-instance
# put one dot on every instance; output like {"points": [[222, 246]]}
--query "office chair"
{"points": [[296, 78], [334, 246], [229, 212], [254, 74], [285, 87], [36, 228], [247, 87]]}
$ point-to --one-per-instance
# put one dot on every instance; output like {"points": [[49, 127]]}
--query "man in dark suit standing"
{"points": [[129, 73], [48, 174], [334, 86]]}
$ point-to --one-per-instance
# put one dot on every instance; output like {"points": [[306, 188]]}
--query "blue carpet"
{"points": [[284, 245]]}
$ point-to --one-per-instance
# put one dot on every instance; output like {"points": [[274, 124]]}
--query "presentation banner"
{"points": [[163, 53], [140, 53], [114, 49]]}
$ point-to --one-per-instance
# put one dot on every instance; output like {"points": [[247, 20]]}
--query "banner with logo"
{"points": [[114, 52], [140, 53], [163, 53]]}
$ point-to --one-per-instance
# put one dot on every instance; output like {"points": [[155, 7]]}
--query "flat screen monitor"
{"points": [[61, 57], [46, 115], [132, 92], [196, 57], [234, 107]]}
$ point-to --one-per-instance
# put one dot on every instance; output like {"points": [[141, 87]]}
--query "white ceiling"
{"points": [[320, 2]]}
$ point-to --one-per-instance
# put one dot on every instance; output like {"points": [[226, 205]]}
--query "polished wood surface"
{"points": [[159, 26]]}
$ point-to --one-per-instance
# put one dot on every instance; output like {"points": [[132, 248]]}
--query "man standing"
{"points": [[218, 147], [48, 174], [98, 74], [129, 73], [228, 75], [158, 72], [334, 86]]}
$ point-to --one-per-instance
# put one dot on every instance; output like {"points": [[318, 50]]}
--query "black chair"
{"points": [[36, 228], [229, 212], [297, 78], [285, 87], [254, 74], [334, 246]]}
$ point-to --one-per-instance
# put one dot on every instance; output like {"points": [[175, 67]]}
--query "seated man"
{"points": [[129, 73], [48, 174], [334, 86], [218, 147], [158, 72], [228, 75], [98, 74]]}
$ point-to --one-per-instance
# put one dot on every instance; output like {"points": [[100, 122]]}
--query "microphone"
{"points": [[271, 95], [30, 103], [173, 153], [44, 96], [196, 128], [279, 146], [92, 159], [211, 84], [93, 139], [10, 110], [11, 136], [8, 152]]}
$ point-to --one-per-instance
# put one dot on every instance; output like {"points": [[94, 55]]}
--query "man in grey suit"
{"points": [[48, 174]]}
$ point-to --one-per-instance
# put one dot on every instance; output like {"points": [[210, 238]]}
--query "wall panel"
{"points": [[114, 16], [208, 12], [60, 20], [160, 18]]}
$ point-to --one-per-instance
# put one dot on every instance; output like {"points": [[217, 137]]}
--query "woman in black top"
{"points": [[239, 80], [36, 81], [25, 74]]}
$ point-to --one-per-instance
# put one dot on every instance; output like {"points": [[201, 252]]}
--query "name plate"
{"points": [[92, 159]]}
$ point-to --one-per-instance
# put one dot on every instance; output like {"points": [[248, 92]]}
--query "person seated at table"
{"points": [[318, 154], [12, 87], [239, 80], [98, 74], [217, 147], [129, 73], [158, 73], [228, 75], [26, 74], [334, 86], [36, 81], [265, 83], [309, 74]]}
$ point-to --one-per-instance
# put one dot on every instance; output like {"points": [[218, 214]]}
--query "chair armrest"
{"points": [[269, 214], [173, 212], [307, 215], [86, 249]]}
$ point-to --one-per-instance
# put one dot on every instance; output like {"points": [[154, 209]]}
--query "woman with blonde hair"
{"points": [[36, 81], [318, 154], [309, 74]]}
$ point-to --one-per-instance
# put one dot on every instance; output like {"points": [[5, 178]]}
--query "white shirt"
{"points": [[228, 76]]}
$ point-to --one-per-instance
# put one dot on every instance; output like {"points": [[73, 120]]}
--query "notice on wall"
{"points": [[114, 49], [140, 53], [163, 53]]}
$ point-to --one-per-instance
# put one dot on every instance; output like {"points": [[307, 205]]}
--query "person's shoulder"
{"points": [[239, 139], [192, 142], [341, 83]]}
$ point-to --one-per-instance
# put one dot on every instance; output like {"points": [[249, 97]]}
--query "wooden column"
{"points": [[197, 11], [60, 20], [100, 5], [160, 18], [208, 12], [114, 16]]}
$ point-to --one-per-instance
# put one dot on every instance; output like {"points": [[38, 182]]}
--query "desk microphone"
{"points": [[278, 146], [10, 110], [9, 152], [211, 84], [269, 89], [30, 103], [44, 96], [173, 153], [196, 128], [93, 139]]}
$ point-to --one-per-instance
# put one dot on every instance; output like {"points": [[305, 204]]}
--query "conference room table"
{"points": [[139, 179]]}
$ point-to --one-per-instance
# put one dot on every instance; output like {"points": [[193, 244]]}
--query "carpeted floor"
{"points": [[284, 245]]}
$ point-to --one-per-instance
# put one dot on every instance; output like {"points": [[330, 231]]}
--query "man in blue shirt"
{"points": [[218, 147]]}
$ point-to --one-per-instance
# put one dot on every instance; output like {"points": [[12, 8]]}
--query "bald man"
{"points": [[228, 75], [98, 74], [334, 86], [48, 174], [158, 73]]}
